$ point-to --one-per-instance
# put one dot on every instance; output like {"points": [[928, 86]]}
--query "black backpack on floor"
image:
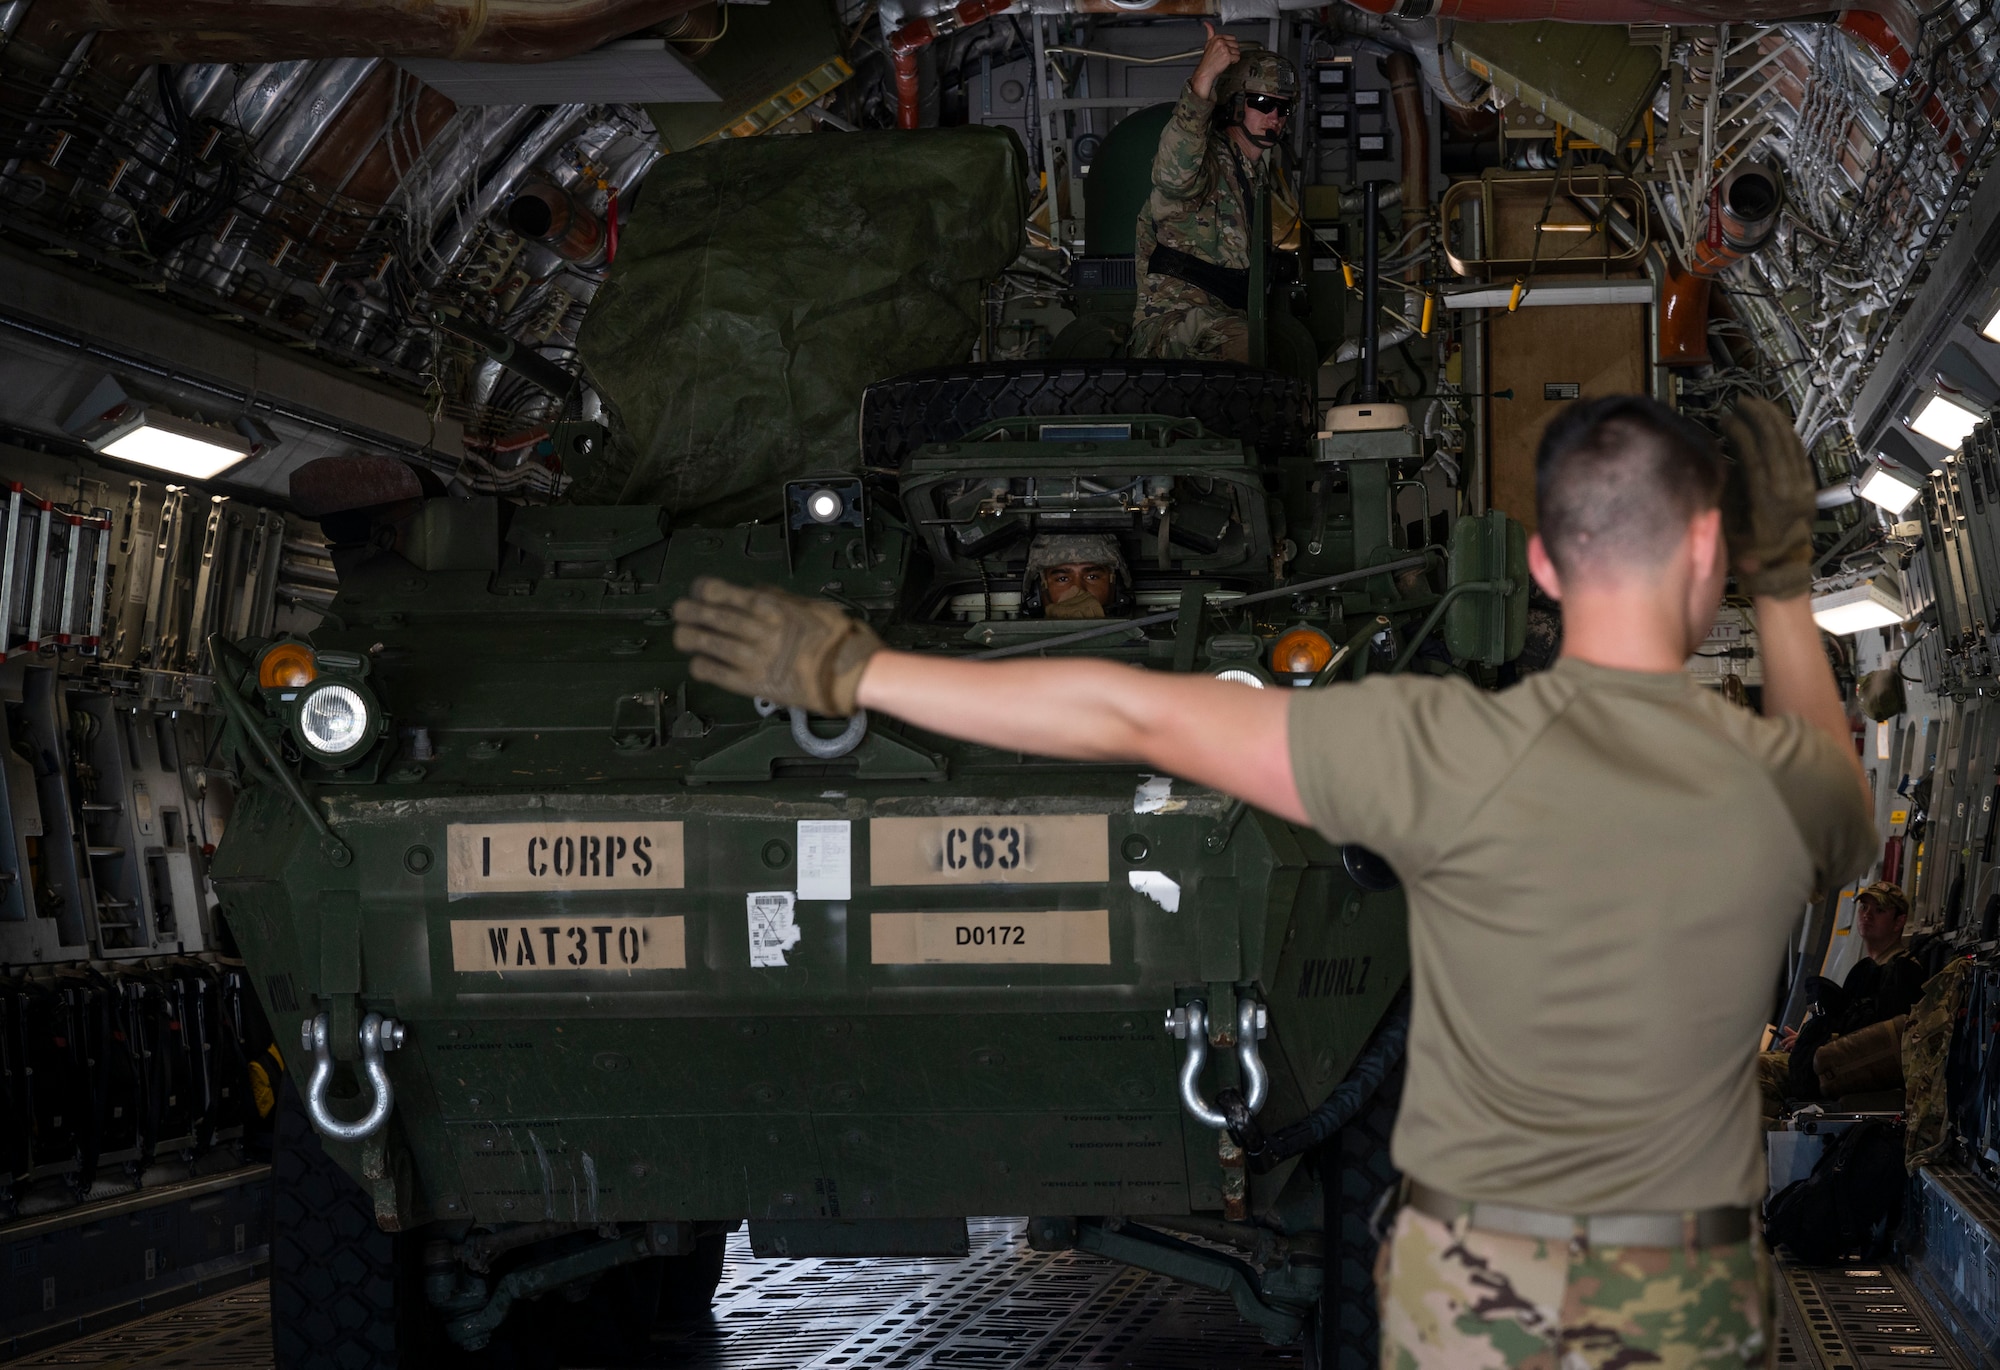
{"points": [[1850, 1203]]}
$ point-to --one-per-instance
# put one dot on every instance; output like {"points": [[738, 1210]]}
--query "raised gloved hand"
{"points": [[1767, 508], [762, 641]]}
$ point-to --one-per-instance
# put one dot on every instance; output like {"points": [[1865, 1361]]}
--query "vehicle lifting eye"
{"points": [[825, 506], [1301, 651], [286, 666]]}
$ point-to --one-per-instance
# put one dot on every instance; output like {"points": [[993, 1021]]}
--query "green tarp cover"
{"points": [[761, 284]]}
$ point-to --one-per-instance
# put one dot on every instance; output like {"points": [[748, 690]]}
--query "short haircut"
{"points": [[1617, 479]]}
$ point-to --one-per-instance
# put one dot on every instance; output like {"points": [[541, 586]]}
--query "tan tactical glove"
{"points": [[1082, 604], [1767, 509], [762, 641]]}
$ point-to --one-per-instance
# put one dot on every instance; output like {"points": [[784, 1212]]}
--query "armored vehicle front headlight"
{"points": [[1238, 675], [335, 720]]}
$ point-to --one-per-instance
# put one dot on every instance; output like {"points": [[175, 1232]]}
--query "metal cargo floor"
{"points": [[1005, 1307], [1001, 1308], [1857, 1316]]}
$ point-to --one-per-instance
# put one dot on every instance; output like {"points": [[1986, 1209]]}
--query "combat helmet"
{"points": [[1063, 549], [1259, 71]]}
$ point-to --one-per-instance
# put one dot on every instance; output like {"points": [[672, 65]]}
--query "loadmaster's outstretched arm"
{"points": [[762, 641], [1213, 732]]}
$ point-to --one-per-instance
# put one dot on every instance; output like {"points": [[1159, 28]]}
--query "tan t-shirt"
{"points": [[1602, 870]]}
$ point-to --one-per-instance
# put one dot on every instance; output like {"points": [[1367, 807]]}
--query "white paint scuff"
{"points": [[1159, 887], [1156, 795]]}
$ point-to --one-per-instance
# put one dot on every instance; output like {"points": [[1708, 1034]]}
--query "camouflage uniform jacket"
{"points": [[1926, 1050], [1203, 189]]}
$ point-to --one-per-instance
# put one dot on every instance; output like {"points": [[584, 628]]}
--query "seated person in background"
{"points": [[1074, 575], [1884, 984]]}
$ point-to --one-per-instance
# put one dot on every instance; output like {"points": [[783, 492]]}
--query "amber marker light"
{"points": [[286, 666], [1301, 651]]}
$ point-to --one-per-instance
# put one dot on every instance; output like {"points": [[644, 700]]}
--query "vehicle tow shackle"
{"points": [[1190, 1023], [810, 742], [377, 1035]]}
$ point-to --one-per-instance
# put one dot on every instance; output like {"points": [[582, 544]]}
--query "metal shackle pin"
{"points": [[810, 742], [377, 1035], [1189, 1023]]}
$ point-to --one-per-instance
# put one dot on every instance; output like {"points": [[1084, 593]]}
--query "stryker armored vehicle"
{"points": [[590, 964]]}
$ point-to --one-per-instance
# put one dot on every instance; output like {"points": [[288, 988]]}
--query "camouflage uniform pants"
{"points": [[1774, 1076], [1175, 319], [1455, 1299]]}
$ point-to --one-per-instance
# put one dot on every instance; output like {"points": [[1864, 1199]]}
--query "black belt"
{"points": [[1231, 285], [1703, 1228]]}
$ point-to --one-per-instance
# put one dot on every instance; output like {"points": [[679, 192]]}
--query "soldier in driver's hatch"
{"points": [[1193, 238], [1074, 575], [1579, 1123]]}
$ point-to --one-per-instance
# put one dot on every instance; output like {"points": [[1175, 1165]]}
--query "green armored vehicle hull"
{"points": [[593, 963]]}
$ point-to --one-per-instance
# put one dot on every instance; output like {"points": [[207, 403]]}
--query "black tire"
{"points": [[345, 1295], [613, 1323], [1270, 412], [1355, 1173], [688, 1283]]}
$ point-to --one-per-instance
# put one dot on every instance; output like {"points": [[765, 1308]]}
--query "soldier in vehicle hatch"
{"points": [[1193, 238], [1075, 575], [1578, 1125]]}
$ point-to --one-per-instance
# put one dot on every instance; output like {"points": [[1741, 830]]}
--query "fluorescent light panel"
{"points": [[1945, 421], [1992, 330], [183, 449], [1889, 487], [1870, 605]]}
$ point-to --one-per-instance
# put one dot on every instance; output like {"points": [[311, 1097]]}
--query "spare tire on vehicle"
{"points": [[1267, 411]]}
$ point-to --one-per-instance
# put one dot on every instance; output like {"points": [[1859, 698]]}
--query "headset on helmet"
{"points": [[1259, 71]]}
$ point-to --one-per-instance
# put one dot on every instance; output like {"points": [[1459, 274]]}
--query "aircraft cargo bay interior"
{"points": [[1014, 683]]}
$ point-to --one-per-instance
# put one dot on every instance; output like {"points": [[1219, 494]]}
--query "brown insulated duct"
{"points": [[1413, 131], [1683, 318], [912, 38], [143, 31], [1742, 215], [352, 157], [545, 212]]}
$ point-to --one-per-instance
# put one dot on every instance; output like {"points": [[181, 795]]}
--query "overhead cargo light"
{"points": [[1871, 604], [174, 445], [1945, 421], [1892, 487], [1991, 332], [118, 425]]}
